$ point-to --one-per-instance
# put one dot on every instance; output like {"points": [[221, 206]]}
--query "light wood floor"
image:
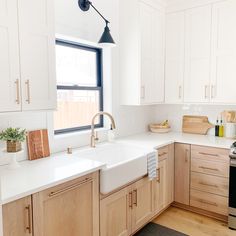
{"points": [[193, 224]]}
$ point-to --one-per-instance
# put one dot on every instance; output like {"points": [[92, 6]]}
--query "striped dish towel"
{"points": [[152, 165]]}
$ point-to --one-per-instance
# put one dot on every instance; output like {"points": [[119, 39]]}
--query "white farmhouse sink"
{"points": [[124, 163]]}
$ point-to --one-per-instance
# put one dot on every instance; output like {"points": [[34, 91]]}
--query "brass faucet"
{"points": [[94, 137]]}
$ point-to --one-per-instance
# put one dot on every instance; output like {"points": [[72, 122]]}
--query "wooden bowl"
{"points": [[157, 128]]}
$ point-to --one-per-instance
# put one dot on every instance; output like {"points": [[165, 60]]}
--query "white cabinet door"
{"points": [[152, 23], [37, 50], [174, 67], [9, 57], [224, 52], [197, 55]]}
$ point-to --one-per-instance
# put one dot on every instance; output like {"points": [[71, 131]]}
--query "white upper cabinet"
{"points": [[142, 39], [197, 55], [27, 58], [37, 54], [224, 52], [9, 57], [174, 66]]}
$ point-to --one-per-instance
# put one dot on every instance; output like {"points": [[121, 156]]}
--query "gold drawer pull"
{"points": [[87, 180], [210, 185], [17, 91], [209, 154], [159, 175], [208, 202], [135, 202], [162, 154], [29, 217], [130, 200], [27, 83], [208, 168]]}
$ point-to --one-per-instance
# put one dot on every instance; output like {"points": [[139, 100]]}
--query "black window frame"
{"points": [[98, 88]]}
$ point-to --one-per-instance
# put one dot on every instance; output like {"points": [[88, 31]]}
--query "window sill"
{"points": [[78, 133]]}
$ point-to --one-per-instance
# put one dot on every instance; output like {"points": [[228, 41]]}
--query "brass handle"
{"points": [[53, 194], [210, 185], [130, 200], [208, 202], [186, 156], [208, 168], [27, 83], [162, 154], [143, 92], [17, 91], [135, 202], [29, 218], [180, 92], [159, 175], [212, 91], [209, 154], [206, 87]]}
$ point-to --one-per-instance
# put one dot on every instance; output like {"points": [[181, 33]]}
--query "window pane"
{"points": [[75, 108], [76, 66]]}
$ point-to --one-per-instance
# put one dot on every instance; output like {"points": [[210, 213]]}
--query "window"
{"points": [[79, 86]]}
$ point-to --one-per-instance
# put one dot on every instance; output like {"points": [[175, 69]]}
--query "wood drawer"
{"points": [[163, 153], [209, 202], [210, 154], [210, 184], [210, 167]]}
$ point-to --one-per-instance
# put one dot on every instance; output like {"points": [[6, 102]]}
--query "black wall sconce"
{"points": [[106, 39]]}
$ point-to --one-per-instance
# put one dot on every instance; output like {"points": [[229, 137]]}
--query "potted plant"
{"points": [[14, 137]]}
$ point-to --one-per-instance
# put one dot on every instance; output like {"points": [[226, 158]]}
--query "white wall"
{"points": [[71, 21], [175, 113]]}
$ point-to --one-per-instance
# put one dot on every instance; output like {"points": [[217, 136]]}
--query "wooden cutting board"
{"points": [[38, 145], [196, 124]]}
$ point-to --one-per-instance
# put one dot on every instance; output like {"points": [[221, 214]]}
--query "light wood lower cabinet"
{"points": [[182, 173], [17, 218], [68, 209], [127, 210]]}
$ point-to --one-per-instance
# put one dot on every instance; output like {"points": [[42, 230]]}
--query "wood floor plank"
{"points": [[193, 224]]}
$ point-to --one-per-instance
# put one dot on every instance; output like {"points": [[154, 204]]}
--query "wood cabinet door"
{"points": [[142, 199], [9, 57], [37, 54], [170, 175], [174, 66], [182, 173], [224, 52], [152, 27], [17, 218], [115, 213], [68, 209], [160, 188], [197, 54]]}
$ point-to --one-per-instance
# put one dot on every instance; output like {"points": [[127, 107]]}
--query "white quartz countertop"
{"points": [[153, 140], [38, 175]]}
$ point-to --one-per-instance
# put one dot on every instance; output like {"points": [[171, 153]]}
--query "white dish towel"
{"points": [[152, 165]]}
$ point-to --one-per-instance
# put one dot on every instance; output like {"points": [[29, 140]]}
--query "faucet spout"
{"points": [[93, 136]]}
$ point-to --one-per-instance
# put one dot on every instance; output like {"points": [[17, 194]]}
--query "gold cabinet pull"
{"points": [[208, 202], [206, 90], [17, 83], [130, 200], [71, 187], [135, 202], [208, 168], [186, 156], [27, 83], [28, 227], [159, 175], [162, 154], [210, 185], [180, 92], [209, 154]]}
